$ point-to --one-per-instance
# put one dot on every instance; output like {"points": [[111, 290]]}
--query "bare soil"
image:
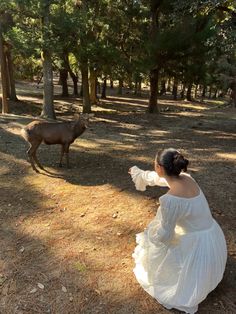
{"points": [[67, 235]]}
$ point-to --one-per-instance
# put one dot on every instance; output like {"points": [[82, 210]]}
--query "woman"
{"points": [[181, 256]]}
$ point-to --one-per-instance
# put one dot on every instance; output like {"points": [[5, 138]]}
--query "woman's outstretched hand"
{"points": [[129, 172]]}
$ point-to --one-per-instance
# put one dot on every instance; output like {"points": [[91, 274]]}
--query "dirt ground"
{"points": [[67, 235]]}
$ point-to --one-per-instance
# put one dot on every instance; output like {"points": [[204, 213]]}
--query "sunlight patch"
{"points": [[231, 156]]}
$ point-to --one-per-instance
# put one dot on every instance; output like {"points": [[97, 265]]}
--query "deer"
{"points": [[50, 133]]}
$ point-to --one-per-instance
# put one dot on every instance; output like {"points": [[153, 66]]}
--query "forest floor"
{"points": [[67, 235]]}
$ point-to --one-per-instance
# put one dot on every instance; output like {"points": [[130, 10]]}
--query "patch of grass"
{"points": [[81, 267]]}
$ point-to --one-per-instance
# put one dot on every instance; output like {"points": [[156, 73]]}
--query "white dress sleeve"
{"points": [[143, 178], [162, 229]]}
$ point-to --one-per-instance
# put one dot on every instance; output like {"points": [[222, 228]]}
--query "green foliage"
{"points": [[190, 42], [28, 68]]}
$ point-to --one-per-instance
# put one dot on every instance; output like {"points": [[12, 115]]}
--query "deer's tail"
{"points": [[25, 134]]}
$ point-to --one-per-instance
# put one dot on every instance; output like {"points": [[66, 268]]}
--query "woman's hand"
{"points": [[129, 172]]}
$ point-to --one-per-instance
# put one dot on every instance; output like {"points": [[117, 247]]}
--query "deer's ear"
{"points": [[87, 116], [77, 116]]}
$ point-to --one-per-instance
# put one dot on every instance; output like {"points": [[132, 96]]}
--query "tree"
{"points": [[5, 108], [28, 39], [11, 72], [48, 106], [124, 40], [5, 60]]}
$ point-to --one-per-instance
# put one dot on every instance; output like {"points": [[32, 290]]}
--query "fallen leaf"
{"points": [[40, 285], [21, 249], [63, 289], [33, 290]]}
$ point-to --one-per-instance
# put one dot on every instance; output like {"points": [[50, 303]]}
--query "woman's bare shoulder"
{"points": [[187, 187]]}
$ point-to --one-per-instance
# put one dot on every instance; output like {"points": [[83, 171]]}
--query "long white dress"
{"points": [[181, 255]]}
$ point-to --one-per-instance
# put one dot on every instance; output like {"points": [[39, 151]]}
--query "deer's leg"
{"points": [[31, 151], [37, 161], [62, 154], [67, 146], [35, 157]]}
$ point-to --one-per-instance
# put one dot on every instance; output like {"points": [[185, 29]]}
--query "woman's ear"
{"points": [[160, 170]]}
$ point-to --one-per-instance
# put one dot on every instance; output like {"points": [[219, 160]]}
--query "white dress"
{"points": [[181, 255]]}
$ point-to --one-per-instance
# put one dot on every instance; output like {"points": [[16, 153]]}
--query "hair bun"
{"points": [[172, 161], [179, 162]]}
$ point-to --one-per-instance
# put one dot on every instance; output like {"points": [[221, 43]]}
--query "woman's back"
{"points": [[193, 213]]}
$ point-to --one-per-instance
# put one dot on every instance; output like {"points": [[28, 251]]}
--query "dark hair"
{"points": [[172, 161]]}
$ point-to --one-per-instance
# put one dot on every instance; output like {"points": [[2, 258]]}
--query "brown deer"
{"points": [[50, 133]]}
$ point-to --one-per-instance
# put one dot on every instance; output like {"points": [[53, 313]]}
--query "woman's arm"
{"points": [[163, 231], [142, 178]]}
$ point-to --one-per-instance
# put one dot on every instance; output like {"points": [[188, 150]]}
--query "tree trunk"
{"points": [[204, 91], [85, 82], [210, 92], [11, 75], [163, 87], [111, 83], [182, 94], [104, 88], [93, 87], [189, 93], [73, 76], [120, 87], [7, 74], [233, 94], [195, 92], [175, 89], [154, 72], [215, 94], [5, 108], [136, 87], [63, 79], [168, 89], [75, 83], [130, 83], [48, 105], [139, 91], [153, 104]]}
